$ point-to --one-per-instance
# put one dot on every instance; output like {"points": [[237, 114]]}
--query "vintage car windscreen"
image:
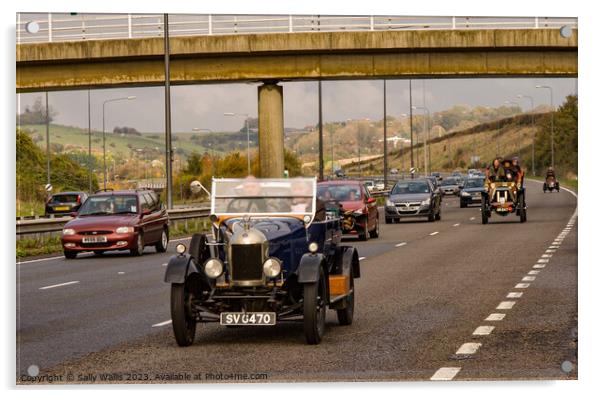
{"points": [[264, 196]]}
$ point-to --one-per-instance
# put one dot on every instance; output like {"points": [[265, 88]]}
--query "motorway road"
{"points": [[426, 289]]}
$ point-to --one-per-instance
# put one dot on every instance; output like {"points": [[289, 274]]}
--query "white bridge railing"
{"points": [[78, 27]]}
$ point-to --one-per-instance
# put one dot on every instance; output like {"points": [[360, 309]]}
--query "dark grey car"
{"points": [[472, 191], [413, 198]]}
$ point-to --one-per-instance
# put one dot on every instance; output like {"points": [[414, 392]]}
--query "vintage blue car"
{"points": [[274, 254]]}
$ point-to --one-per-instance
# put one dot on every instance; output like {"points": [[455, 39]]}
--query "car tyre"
{"points": [[139, 249], [431, 216], [388, 220], [462, 204], [438, 215], [364, 235], [183, 324], [69, 254], [376, 231], [161, 246], [314, 309], [345, 315], [484, 216], [521, 208]]}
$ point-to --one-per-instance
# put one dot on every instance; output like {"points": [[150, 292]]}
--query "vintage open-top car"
{"points": [[504, 196], [274, 254]]}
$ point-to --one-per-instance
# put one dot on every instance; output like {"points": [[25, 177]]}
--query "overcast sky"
{"points": [[203, 106]]}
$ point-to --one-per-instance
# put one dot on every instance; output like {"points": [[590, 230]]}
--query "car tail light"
{"points": [[79, 198]]}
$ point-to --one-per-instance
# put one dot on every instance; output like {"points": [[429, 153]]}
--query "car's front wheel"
{"points": [[364, 234], [376, 231], [484, 215], [431, 216], [314, 309], [388, 220], [69, 254], [139, 248], [161, 246], [182, 321]]}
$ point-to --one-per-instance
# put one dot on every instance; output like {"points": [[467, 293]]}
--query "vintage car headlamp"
{"points": [[492, 185], [426, 202], [313, 247], [272, 267], [124, 230], [68, 231], [306, 219], [213, 268], [180, 248]]}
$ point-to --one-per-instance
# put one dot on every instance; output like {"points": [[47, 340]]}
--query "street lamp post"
{"points": [[104, 146], [518, 105], [246, 115], [210, 145], [533, 128], [426, 134], [552, 134]]}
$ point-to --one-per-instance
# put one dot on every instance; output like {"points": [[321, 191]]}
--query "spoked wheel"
{"points": [[522, 208], [314, 309], [182, 321], [484, 215], [345, 315]]}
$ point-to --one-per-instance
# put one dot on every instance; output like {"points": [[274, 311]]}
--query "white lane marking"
{"points": [[120, 273], [554, 247], [539, 266], [434, 233], [401, 244], [468, 348], [521, 285], [514, 295], [164, 265], [445, 374], [456, 224], [551, 251], [543, 261], [180, 239], [471, 218], [362, 258], [156, 325], [59, 285], [528, 279], [39, 259], [495, 317], [505, 305], [546, 255], [483, 330], [533, 272]]}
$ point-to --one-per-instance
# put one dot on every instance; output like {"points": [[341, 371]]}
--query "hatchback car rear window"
{"points": [[410, 187], [64, 198]]}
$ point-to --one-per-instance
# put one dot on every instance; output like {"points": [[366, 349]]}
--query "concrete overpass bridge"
{"points": [[495, 51]]}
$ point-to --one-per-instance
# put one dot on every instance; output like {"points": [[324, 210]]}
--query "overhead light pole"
{"points": [[104, 146], [246, 115], [426, 134], [552, 115], [518, 105], [533, 128], [211, 145]]}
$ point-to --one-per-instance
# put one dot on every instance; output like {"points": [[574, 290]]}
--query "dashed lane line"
{"points": [[521, 285], [514, 295], [362, 258], [434, 233], [468, 348], [505, 305], [59, 285], [401, 244], [528, 278], [495, 317], [445, 374], [456, 224], [156, 325], [483, 330]]}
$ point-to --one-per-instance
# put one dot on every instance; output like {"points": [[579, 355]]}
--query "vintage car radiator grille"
{"points": [[247, 262]]}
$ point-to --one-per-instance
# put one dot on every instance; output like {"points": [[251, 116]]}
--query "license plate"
{"points": [[412, 208], [248, 318], [94, 239], [61, 208]]}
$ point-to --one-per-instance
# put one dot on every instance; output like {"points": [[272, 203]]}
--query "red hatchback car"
{"points": [[117, 220], [360, 212]]}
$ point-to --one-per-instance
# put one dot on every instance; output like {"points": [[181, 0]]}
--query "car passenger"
{"points": [[517, 171], [250, 200], [495, 172]]}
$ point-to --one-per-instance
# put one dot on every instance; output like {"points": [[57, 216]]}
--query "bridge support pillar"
{"points": [[271, 130]]}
